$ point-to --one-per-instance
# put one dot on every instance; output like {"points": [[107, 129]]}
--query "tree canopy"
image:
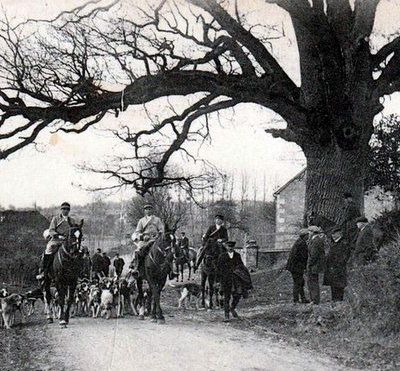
{"points": [[56, 74]]}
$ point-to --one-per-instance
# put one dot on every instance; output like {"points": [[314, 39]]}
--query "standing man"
{"points": [[215, 234], [86, 265], [184, 244], [351, 213], [119, 265], [106, 264], [97, 265], [365, 248], [234, 277], [148, 229], [336, 265], [297, 264], [56, 235], [315, 261]]}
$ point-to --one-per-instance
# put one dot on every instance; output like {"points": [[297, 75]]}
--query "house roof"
{"points": [[297, 176]]}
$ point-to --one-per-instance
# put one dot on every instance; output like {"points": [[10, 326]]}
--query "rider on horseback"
{"points": [[216, 234], [148, 229], [184, 245], [56, 235]]}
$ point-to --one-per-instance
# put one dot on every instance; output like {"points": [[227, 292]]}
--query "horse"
{"points": [[157, 265], [209, 270], [181, 258], [66, 267]]}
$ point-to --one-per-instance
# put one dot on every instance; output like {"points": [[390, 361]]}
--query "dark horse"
{"points": [[66, 266], [157, 266], [181, 258], [209, 269]]}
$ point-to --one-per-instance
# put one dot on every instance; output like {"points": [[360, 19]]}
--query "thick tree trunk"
{"points": [[331, 171]]}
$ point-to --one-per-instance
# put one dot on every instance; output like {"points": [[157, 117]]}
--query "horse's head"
{"points": [[74, 238]]}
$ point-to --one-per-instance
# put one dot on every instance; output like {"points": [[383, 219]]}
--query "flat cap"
{"points": [[231, 243], [314, 229], [148, 206], [361, 219], [219, 216], [65, 205], [303, 231], [336, 229]]}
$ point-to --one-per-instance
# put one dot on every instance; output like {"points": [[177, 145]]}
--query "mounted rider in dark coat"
{"points": [[56, 235], [216, 233], [184, 244], [234, 278]]}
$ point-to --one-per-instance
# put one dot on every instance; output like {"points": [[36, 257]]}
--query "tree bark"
{"points": [[331, 171]]}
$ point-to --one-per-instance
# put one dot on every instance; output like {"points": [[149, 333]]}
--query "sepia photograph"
{"points": [[199, 185]]}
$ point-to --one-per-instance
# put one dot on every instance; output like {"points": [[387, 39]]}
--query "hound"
{"points": [[9, 305]]}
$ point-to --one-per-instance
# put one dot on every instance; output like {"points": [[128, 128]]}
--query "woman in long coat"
{"points": [[336, 265]]}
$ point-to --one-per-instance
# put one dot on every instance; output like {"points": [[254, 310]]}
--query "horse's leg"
{"points": [[189, 269], [160, 316], [203, 289], [211, 279], [70, 300], [177, 269], [47, 302], [140, 298], [61, 297], [182, 266]]}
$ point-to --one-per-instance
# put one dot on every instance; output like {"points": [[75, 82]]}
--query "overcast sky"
{"points": [[239, 145]]}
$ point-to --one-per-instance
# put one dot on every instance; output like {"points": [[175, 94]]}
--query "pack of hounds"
{"points": [[105, 297]]}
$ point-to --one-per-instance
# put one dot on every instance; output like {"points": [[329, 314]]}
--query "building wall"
{"points": [[290, 203], [289, 212]]}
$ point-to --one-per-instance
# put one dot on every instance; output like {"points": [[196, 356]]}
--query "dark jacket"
{"points": [[365, 249], [210, 240], [229, 270], [215, 234], [316, 254], [184, 243], [86, 265], [97, 263], [106, 263], [119, 264], [336, 264], [297, 260], [349, 225]]}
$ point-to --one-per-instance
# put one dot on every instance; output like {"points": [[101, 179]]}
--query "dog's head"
{"points": [[13, 301], [106, 283], [3, 293]]}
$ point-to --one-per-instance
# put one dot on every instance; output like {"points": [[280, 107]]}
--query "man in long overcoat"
{"points": [[297, 264], [349, 225], [106, 264], [365, 250], [316, 261], [97, 265], [234, 278], [119, 265], [336, 264], [215, 234]]}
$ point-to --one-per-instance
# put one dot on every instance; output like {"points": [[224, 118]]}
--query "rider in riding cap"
{"points": [[148, 229], [217, 233], [184, 244], [56, 234]]}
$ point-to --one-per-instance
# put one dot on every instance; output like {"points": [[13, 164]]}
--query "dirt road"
{"points": [[190, 341]]}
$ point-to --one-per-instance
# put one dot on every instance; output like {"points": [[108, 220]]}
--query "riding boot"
{"points": [[46, 265], [235, 302], [226, 319]]}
